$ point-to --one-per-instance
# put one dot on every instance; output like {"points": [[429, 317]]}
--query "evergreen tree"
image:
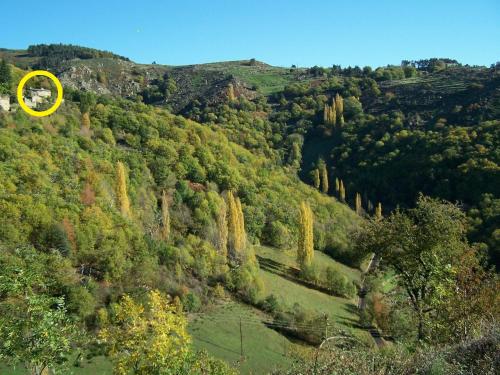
{"points": [[305, 249], [121, 189], [165, 217]]}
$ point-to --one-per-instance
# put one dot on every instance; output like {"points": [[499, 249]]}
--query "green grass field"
{"points": [[217, 331]]}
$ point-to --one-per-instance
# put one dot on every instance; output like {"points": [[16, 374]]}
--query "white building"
{"points": [[37, 96], [4, 102]]}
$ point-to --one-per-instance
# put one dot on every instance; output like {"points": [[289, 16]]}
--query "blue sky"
{"points": [[279, 32]]}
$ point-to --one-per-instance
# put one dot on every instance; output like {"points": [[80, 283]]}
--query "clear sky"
{"points": [[300, 32]]}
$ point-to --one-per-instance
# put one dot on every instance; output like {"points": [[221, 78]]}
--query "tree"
{"points": [[35, 327], [146, 339], [236, 226], [358, 204], [324, 178], [337, 185], [305, 249], [121, 189], [222, 229], [378, 211], [5, 77], [422, 245], [342, 191], [86, 121], [339, 106], [316, 178], [165, 217], [230, 93]]}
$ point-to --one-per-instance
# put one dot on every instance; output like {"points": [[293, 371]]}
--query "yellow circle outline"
{"points": [[25, 79]]}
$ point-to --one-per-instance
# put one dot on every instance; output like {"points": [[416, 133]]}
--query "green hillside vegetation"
{"points": [[162, 204]]}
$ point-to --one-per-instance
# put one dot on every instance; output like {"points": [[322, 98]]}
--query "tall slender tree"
{"points": [[121, 189], [358, 204], [339, 105], [342, 191], [165, 217], [378, 211], [236, 225], [324, 178], [316, 178], [222, 229], [305, 249]]}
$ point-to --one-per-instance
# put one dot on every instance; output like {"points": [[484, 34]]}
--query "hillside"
{"points": [[234, 204]]}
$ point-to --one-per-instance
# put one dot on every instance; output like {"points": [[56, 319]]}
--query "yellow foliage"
{"points": [[222, 230], [165, 217], [378, 211], [121, 189], [305, 250], [146, 338], [358, 204]]}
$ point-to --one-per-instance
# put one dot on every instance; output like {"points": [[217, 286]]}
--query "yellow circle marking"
{"points": [[20, 98]]}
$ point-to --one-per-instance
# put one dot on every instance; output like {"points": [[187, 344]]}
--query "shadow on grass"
{"points": [[291, 274]]}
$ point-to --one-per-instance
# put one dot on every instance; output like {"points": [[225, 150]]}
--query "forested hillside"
{"points": [[161, 209]]}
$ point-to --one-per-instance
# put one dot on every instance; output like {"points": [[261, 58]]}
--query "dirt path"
{"points": [[374, 332]]}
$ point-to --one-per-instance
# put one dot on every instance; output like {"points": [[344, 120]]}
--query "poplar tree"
{"points": [[358, 203], [236, 225], [165, 217], [378, 211], [241, 225], [316, 178], [324, 178], [230, 93], [339, 105], [342, 191], [121, 189], [86, 121], [222, 229], [305, 249], [337, 185]]}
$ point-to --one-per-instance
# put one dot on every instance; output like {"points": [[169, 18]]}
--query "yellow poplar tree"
{"points": [[324, 178], [165, 217], [358, 203], [337, 185], [236, 225], [378, 211], [222, 229], [316, 178], [86, 120], [342, 191], [230, 93], [241, 225], [305, 249], [121, 189], [339, 104]]}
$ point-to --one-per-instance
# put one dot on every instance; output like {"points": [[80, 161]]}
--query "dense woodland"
{"points": [[121, 220]]}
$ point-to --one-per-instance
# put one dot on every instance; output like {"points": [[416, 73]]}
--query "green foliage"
{"points": [[35, 325], [5, 77]]}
